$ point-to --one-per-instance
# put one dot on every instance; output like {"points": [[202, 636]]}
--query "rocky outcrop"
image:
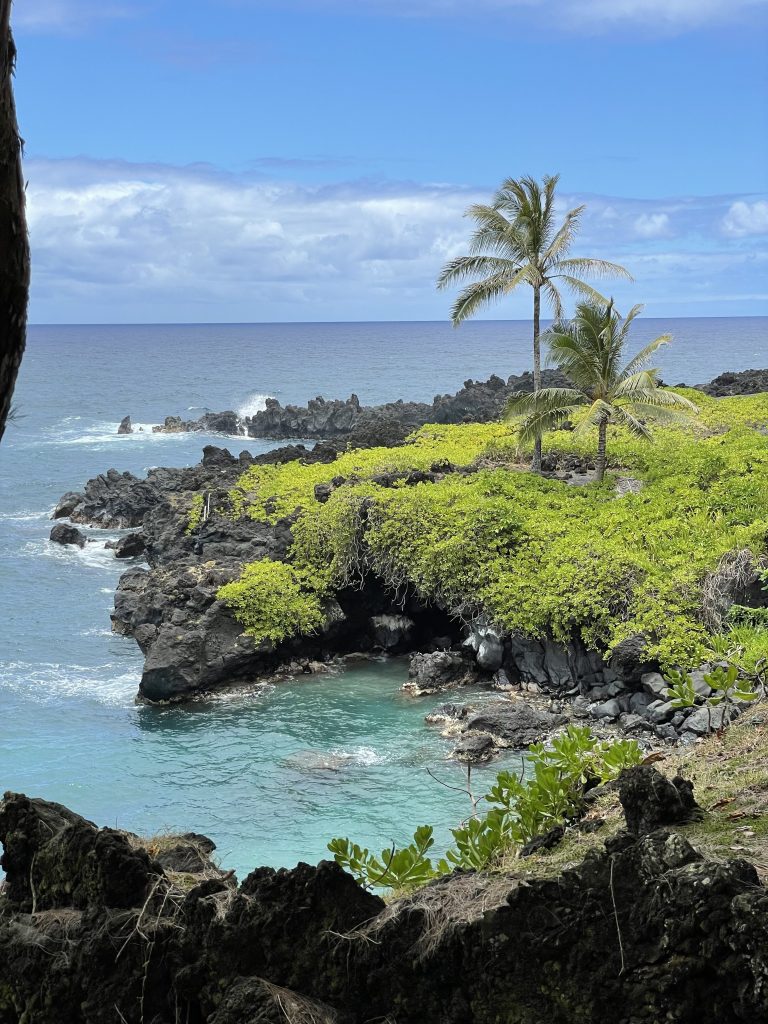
{"points": [[747, 382], [93, 930], [63, 533], [367, 426], [512, 723]]}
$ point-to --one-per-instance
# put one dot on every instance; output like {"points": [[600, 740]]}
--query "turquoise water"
{"points": [[270, 774]]}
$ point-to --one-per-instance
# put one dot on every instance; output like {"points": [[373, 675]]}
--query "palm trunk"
{"points": [[600, 461], [536, 464], [14, 246]]}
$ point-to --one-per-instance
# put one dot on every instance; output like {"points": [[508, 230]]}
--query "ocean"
{"points": [[270, 773]]}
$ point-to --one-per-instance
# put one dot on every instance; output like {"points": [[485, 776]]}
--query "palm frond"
{"points": [[475, 266], [640, 384], [564, 236], [635, 426], [642, 357], [580, 287], [598, 412], [538, 403], [591, 267], [662, 398], [481, 293]]}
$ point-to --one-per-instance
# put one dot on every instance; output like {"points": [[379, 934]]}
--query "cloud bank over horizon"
{"points": [[122, 242]]}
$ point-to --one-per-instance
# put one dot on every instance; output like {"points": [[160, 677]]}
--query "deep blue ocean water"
{"points": [[249, 768]]}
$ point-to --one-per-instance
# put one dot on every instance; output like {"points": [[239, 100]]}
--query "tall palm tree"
{"points": [[588, 349], [516, 242], [14, 248]]}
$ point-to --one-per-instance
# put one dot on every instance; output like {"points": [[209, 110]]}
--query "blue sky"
{"points": [[311, 159]]}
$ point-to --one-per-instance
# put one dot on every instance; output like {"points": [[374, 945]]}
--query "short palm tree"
{"points": [[517, 242], [588, 349]]}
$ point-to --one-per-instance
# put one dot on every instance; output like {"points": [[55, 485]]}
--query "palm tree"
{"points": [[14, 263], [516, 242], [588, 349]]}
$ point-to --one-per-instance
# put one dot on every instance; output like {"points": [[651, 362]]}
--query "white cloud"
{"points": [[654, 15], [115, 241], [65, 16], [652, 225], [744, 218]]}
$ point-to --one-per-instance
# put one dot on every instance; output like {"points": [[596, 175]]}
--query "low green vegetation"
{"points": [[515, 811], [728, 685], [272, 602], [532, 555]]}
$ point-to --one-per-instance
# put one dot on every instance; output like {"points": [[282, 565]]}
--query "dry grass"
{"points": [[730, 777], [297, 1009], [735, 571], [442, 906]]}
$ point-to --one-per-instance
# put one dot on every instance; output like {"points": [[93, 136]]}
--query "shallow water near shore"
{"points": [[270, 773]]}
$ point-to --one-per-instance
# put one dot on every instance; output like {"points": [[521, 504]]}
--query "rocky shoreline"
{"points": [[476, 401], [98, 926]]}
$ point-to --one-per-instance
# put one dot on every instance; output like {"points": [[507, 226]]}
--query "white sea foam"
{"points": [[49, 681], [24, 515], [255, 403], [94, 555], [362, 756]]}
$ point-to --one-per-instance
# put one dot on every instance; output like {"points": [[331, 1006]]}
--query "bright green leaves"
{"points": [[273, 601], [681, 692], [535, 556], [728, 684], [518, 810], [405, 868]]}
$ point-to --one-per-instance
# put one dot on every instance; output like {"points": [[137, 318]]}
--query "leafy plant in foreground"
{"points": [[519, 809], [729, 685]]}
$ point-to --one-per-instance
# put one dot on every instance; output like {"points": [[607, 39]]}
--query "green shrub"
{"points": [[273, 601], [532, 555]]}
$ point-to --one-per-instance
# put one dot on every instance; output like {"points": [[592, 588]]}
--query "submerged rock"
{"points": [[63, 533]]}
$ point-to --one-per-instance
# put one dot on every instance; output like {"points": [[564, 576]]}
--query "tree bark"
{"points": [[600, 461], [536, 464], [14, 244]]}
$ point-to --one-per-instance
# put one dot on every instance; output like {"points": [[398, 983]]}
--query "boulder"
{"points": [[610, 710], [654, 684], [130, 546], [649, 800], [705, 720], [490, 653], [475, 748], [67, 504], [446, 713], [660, 711], [513, 723], [63, 533], [438, 670]]}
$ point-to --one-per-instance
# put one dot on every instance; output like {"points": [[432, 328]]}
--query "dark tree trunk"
{"points": [[600, 461], [536, 464], [14, 245]]}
